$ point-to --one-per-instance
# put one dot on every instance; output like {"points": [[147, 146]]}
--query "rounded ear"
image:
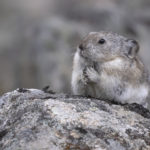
{"points": [[133, 48], [133, 51]]}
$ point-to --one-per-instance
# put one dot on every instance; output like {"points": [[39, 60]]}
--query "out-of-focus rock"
{"points": [[31, 119]]}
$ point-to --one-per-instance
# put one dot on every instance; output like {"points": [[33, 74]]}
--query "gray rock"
{"points": [[32, 119]]}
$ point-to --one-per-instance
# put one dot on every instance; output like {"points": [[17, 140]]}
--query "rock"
{"points": [[31, 119]]}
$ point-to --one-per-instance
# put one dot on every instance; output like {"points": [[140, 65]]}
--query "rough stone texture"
{"points": [[31, 119]]}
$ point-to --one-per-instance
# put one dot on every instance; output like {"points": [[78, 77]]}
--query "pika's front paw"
{"points": [[89, 75], [92, 74], [85, 77]]}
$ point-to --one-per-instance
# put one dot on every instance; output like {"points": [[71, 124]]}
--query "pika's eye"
{"points": [[101, 41]]}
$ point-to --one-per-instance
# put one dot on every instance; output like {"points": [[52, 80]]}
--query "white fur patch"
{"points": [[135, 94], [116, 63], [92, 33], [76, 73]]}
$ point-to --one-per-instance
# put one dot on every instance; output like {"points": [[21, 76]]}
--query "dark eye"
{"points": [[101, 41]]}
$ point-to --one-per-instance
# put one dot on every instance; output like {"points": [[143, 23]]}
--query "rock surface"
{"points": [[31, 119]]}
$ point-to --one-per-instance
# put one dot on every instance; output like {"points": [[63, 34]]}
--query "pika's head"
{"points": [[104, 46]]}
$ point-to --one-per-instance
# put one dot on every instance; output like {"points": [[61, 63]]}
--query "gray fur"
{"points": [[111, 70]]}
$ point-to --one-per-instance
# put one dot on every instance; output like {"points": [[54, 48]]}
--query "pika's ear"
{"points": [[133, 49], [132, 53]]}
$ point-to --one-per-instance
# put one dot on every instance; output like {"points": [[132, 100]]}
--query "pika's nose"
{"points": [[81, 47]]}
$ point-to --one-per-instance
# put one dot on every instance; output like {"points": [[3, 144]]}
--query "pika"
{"points": [[106, 65]]}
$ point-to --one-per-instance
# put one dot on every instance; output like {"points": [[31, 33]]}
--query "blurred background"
{"points": [[39, 37]]}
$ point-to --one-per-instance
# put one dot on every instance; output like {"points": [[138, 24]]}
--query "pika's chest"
{"points": [[107, 87], [109, 82], [111, 74]]}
